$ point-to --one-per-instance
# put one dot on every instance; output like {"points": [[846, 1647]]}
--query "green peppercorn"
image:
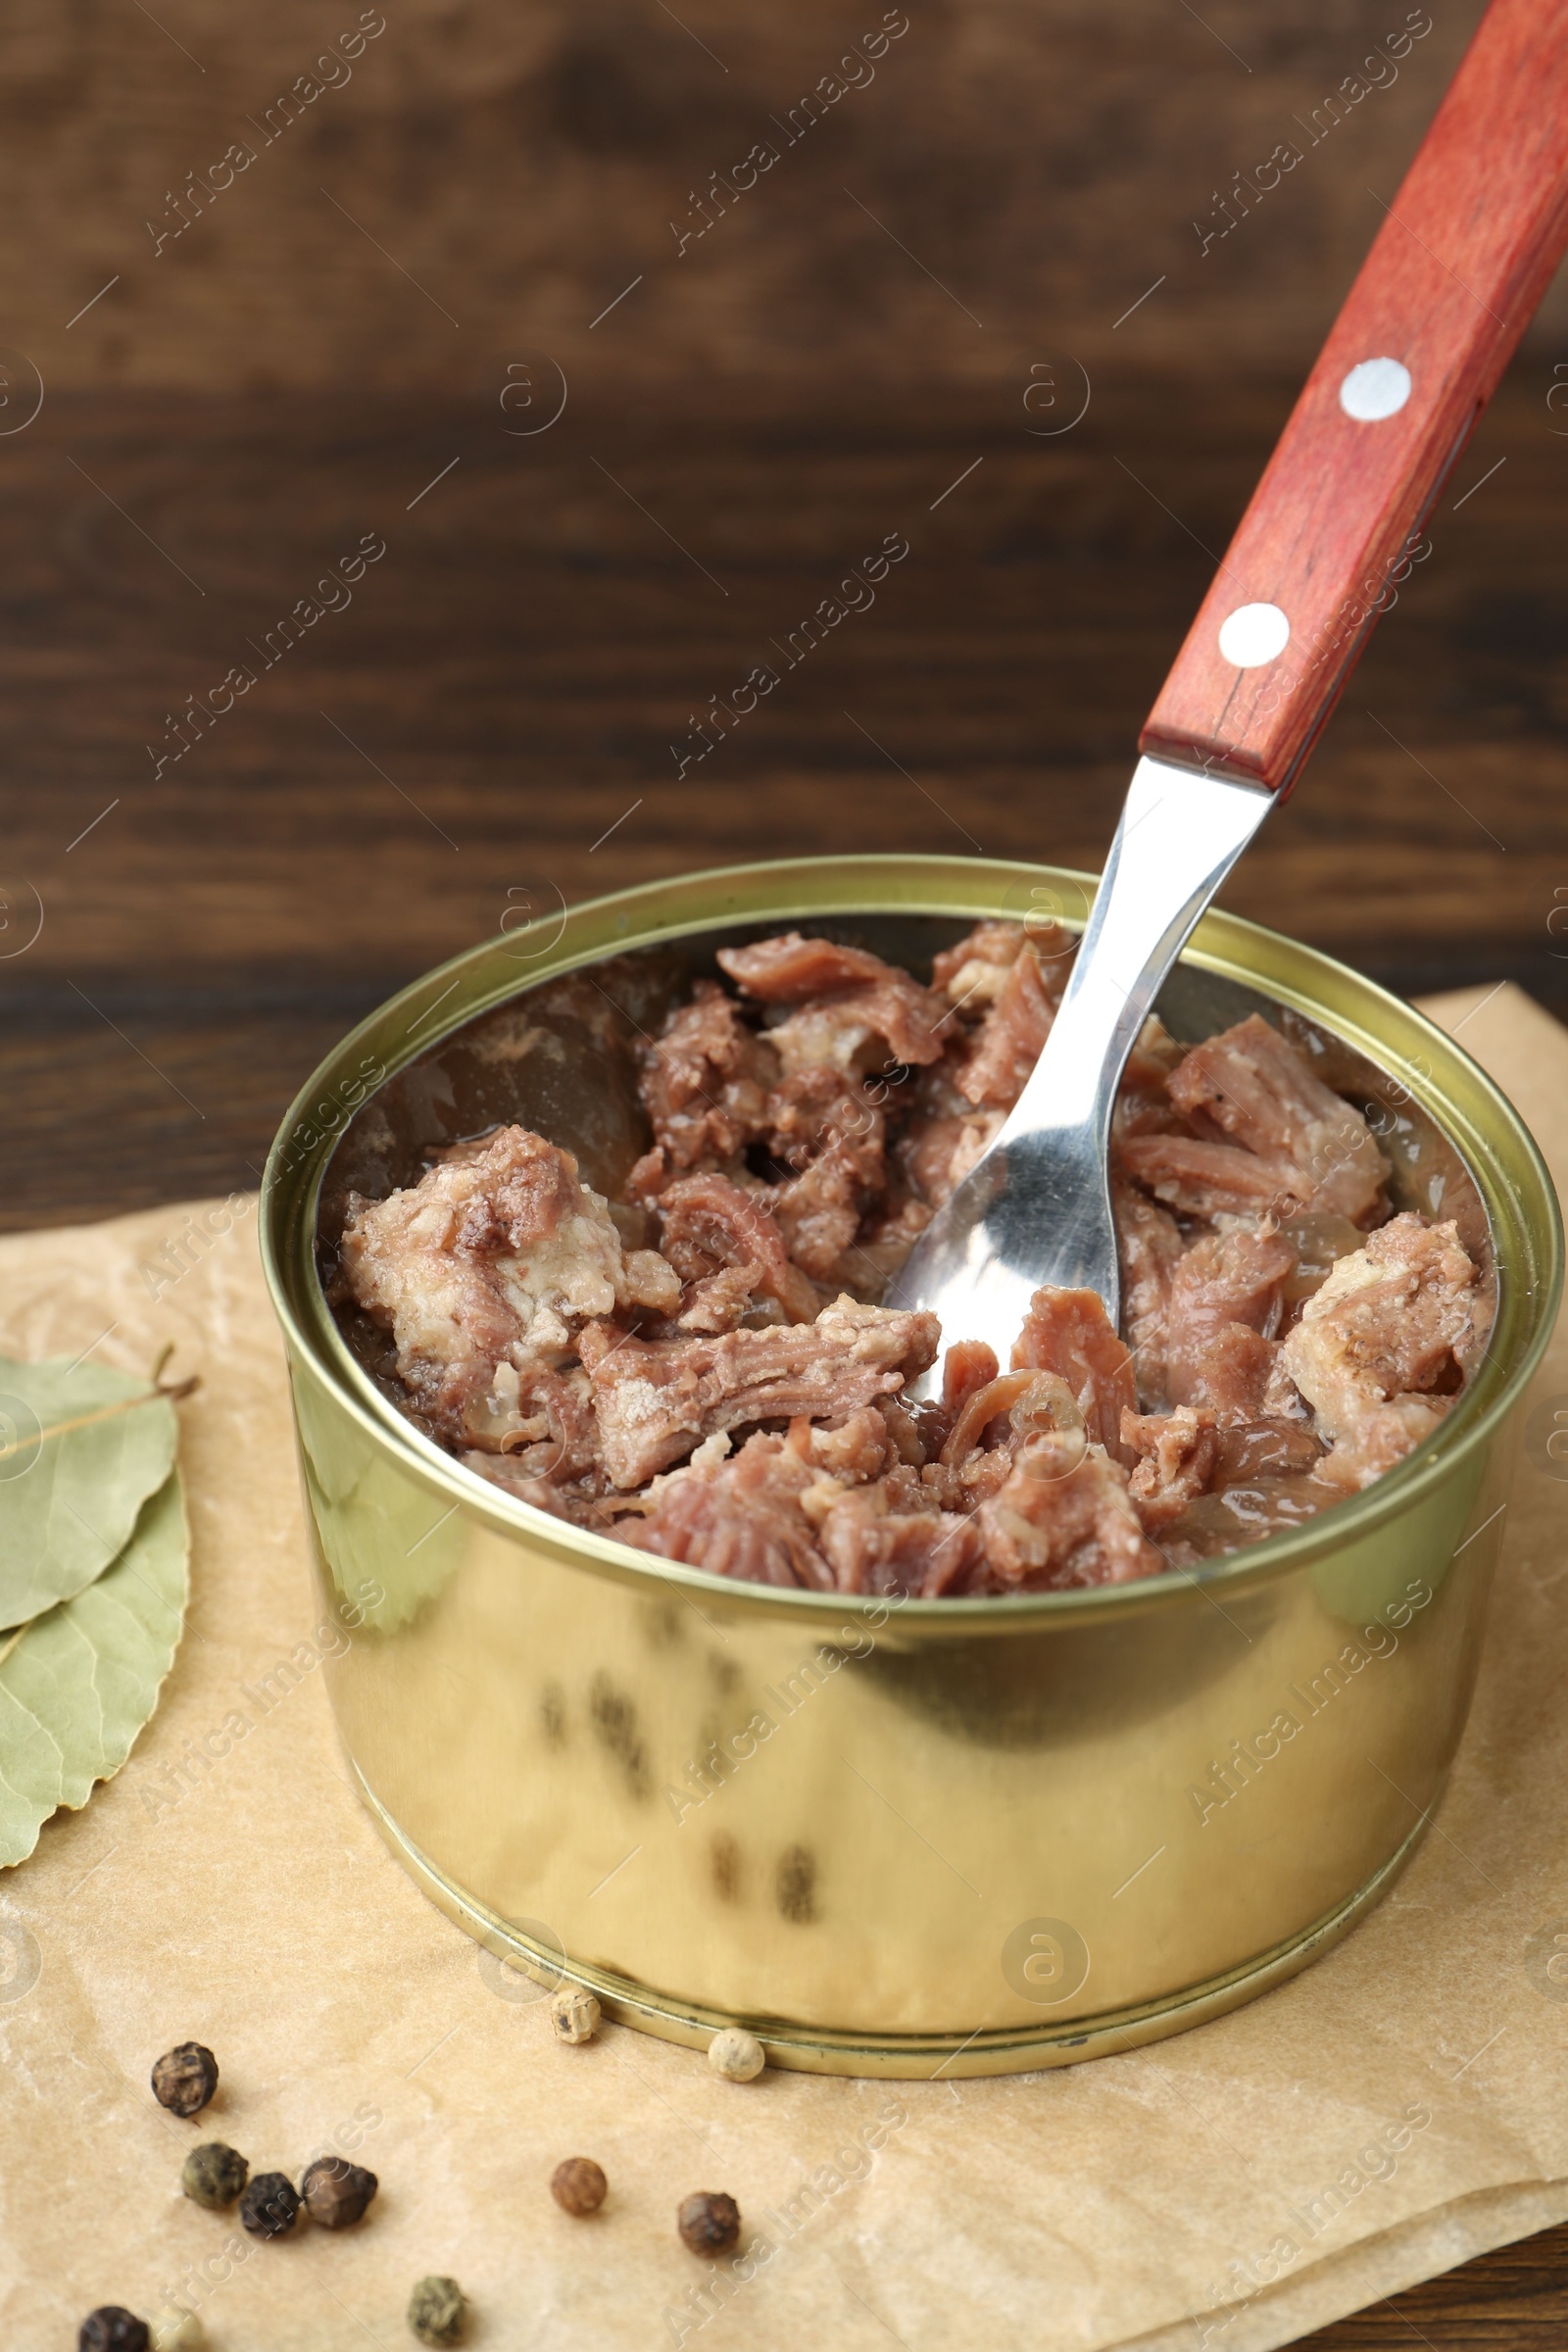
{"points": [[113, 2328], [335, 2193], [185, 2079], [708, 2222], [269, 2206], [214, 2176], [437, 2310]]}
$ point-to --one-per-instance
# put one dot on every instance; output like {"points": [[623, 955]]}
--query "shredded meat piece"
{"points": [[973, 974], [790, 968], [846, 1000], [485, 1270], [657, 1399], [1234, 1375], [1149, 1247], [707, 1223], [941, 1146], [1225, 1303], [740, 1518], [820, 1214], [1142, 1104], [824, 1109], [555, 1435], [904, 1436], [1177, 1454], [1256, 1085], [649, 1176], [976, 967], [1007, 1042], [986, 1470], [1068, 1332], [1155, 1054], [825, 1127], [857, 1451], [705, 1080], [578, 1501], [716, 1302], [1064, 1518], [1384, 1343], [1201, 1178], [872, 1548], [983, 1406], [809, 1509], [1383, 1437], [886, 1242], [969, 1366]]}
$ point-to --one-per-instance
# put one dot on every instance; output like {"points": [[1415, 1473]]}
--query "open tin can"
{"points": [[898, 1838]]}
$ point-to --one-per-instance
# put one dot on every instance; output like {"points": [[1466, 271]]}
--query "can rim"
{"points": [[1224, 944]]}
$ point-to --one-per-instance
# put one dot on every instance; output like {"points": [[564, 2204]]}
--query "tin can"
{"points": [[898, 1838]]}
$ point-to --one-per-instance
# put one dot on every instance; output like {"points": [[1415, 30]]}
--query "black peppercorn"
{"points": [[185, 2079], [708, 2222], [214, 2176], [578, 2185], [269, 2206], [437, 2310], [112, 2328], [336, 2193]]}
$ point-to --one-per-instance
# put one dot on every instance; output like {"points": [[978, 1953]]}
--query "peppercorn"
{"points": [[269, 2206], [736, 2055], [578, 2185], [113, 2328], [437, 2310], [185, 2079], [214, 2176], [708, 2222], [178, 2331], [573, 2014], [335, 2193]]}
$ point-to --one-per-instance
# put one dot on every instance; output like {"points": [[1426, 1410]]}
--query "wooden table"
{"points": [[493, 715]]}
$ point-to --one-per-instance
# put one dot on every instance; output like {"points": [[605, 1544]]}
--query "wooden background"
{"points": [[524, 163], [1003, 215]]}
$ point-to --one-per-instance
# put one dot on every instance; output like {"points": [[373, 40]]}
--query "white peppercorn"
{"points": [[437, 2310], [736, 2055], [178, 2331], [573, 2014]]}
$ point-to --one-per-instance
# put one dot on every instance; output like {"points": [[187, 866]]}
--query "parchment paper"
{"points": [[1394, 2110]]}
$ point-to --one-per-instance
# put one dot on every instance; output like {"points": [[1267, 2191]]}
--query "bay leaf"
{"points": [[77, 1683], [81, 1448]]}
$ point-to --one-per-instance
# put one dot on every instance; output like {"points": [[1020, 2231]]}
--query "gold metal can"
{"points": [[901, 1838]]}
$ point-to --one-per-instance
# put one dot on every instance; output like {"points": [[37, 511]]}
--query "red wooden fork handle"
{"points": [[1458, 265]]}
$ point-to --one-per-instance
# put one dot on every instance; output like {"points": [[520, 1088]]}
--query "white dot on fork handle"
{"points": [[1254, 634], [1375, 389]]}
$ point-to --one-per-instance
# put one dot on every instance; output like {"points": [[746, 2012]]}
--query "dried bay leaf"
{"points": [[79, 1682], [81, 1448]]}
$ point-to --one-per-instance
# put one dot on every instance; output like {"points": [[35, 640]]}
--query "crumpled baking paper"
{"points": [[1394, 2110]]}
